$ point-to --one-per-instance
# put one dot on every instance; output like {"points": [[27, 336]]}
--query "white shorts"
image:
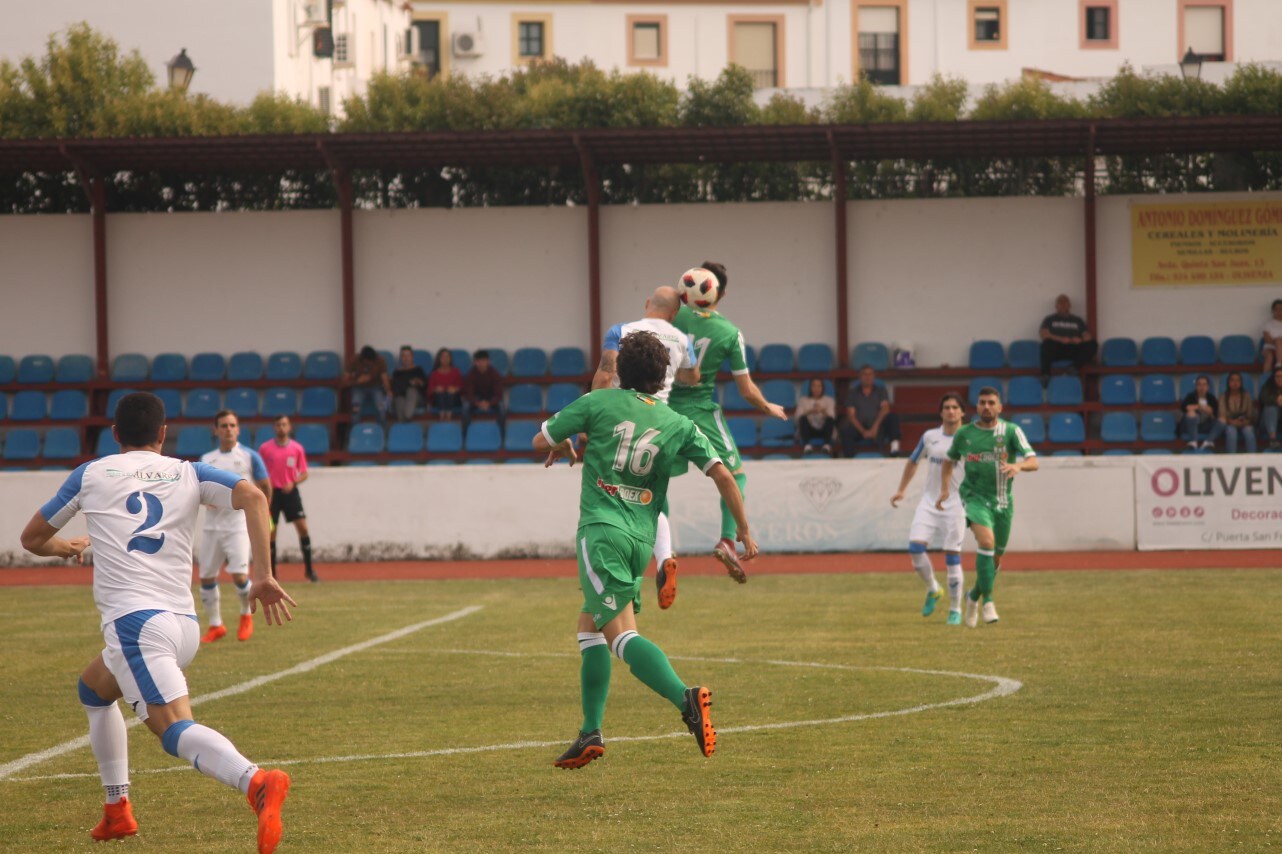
{"points": [[219, 547], [147, 651], [929, 523]]}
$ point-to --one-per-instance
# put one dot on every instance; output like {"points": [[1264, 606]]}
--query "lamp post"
{"points": [[180, 71], [1191, 65]]}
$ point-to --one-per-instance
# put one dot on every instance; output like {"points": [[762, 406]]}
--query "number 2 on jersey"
{"points": [[642, 453], [134, 504]]}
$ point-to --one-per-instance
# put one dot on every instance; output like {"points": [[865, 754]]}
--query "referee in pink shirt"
{"points": [[286, 463]]}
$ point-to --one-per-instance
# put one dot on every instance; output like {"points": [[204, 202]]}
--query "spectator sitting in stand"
{"points": [[1272, 336], [367, 375], [868, 416], [816, 418], [1237, 411], [1065, 336], [1201, 425], [409, 386], [445, 385], [1270, 402], [482, 390]]}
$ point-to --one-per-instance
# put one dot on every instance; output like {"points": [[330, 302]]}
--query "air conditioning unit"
{"points": [[468, 43], [316, 12]]}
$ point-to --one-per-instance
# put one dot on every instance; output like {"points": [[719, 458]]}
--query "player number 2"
{"points": [[134, 504], [641, 453]]}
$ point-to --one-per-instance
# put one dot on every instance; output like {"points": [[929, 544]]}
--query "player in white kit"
{"points": [[224, 539], [140, 509], [930, 523], [660, 308]]}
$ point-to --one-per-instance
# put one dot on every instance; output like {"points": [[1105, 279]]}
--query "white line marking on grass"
{"points": [[8, 769], [1002, 687]]}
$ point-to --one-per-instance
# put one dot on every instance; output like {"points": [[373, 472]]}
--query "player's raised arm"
{"points": [[734, 502], [606, 371], [751, 393]]}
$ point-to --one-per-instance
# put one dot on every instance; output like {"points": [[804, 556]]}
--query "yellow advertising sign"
{"points": [[1213, 243]]}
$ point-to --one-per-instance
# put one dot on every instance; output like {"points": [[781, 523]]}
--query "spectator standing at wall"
{"points": [[482, 390], [816, 418], [409, 386], [1270, 403], [367, 375], [1237, 411], [1201, 425], [445, 385], [1066, 336], [868, 416], [1272, 336]]}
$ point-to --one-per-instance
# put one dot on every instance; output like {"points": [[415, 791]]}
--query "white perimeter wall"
{"points": [[939, 273]]}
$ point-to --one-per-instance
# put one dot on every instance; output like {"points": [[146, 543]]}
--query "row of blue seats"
{"points": [[1115, 427], [22, 444], [1115, 390], [1155, 351]]}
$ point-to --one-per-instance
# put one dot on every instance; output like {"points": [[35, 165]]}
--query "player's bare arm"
{"points": [[563, 449], [607, 370], [729, 490], [748, 389], [1026, 464], [265, 485], [264, 590], [41, 539], [910, 469], [688, 376], [945, 478]]}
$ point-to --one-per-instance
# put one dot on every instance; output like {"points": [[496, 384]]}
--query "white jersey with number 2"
{"points": [[680, 350]]}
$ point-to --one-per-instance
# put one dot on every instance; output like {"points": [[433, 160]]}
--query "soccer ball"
{"points": [[698, 288]]}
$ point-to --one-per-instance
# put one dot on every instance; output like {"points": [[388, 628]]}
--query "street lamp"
{"points": [[1191, 65], [180, 71]]}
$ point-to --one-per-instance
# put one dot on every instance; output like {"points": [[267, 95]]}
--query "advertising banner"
{"points": [[1205, 502], [1212, 243]]}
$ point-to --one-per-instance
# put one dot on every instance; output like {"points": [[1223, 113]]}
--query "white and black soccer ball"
{"points": [[698, 288]]}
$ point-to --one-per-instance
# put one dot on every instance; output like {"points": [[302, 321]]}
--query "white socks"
{"points": [[110, 746], [210, 598], [921, 563], [212, 754], [955, 586], [662, 540], [243, 593]]}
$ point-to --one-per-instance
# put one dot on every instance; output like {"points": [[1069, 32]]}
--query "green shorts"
{"points": [[712, 423], [983, 511], [611, 563]]}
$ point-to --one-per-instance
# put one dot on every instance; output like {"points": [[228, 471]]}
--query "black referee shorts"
{"points": [[290, 503]]}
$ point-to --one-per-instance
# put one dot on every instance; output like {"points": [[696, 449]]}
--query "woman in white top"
{"points": [[816, 418]]}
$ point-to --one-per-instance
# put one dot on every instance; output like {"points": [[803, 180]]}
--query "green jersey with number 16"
{"points": [[632, 438], [715, 340]]}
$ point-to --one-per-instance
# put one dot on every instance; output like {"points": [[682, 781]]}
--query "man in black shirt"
{"points": [[1066, 336]]}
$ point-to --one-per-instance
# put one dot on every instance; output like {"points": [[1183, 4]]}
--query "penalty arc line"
{"points": [[8, 769], [1002, 687]]}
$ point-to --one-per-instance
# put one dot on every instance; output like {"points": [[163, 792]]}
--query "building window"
{"points": [[342, 54], [323, 101], [647, 39], [1098, 20], [879, 59], [756, 44], [1205, 28], [1098, 25], [425, 46], [531, 37], [988, 24]]}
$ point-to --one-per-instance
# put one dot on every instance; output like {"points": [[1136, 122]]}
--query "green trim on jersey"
{"points": [[633, 439], [983, 452], [715, 340]]}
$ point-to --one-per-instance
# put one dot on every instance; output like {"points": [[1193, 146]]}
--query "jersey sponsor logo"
{"points": [[987, 457], [148, 476], [630, 494]]}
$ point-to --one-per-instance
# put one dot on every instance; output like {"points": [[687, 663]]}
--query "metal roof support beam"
{"points": [[95, 188], [1092, 280], [343, 184], [843, 284], [592, 181]]}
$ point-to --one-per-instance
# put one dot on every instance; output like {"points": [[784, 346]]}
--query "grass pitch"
{"points": [[1148, 721]]}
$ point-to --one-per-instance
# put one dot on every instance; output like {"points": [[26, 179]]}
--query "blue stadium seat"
{"points": [[318, 402], [201, 403], [1025, 392], [1116, 452], [482, 437], [1237, 350], [68, 405], [172, 399], [1188, 382], [445, 437], [775, 359], [815, 358], [4, 407], [74, 369], [1158, 351], [8, 370], [778, 434], [365, 438], [1033, 425], [479, 462], [361, 463], [987, 356], [1197, 350], [107, 443], [169, 368], [1025, 355], [29, 406], [778, 456], [62, 443], [1120, 353], [264, 434], [423, 358], [732, 400], [208, 368], [1117, 390], [114, 398], [279, 401], [519, 436], [1118, 428], [194, 441], [1064, 391], [242, 401], [405, 438], [462, 359], [1066, 427], [323, 365], [1157, 389], [871, 353], [284, 365], [244, 367], [36, 369], [314, 438], [977, 383], [782, 392], [529, 362], [498, 359], [1158, 426], [129, 368], [1157, 452], [569, 362], [743, 430], [22, 443], [561, 395], [525, 399]]}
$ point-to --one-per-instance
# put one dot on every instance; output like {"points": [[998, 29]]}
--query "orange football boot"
{"points": [[267, 791], [117, 822]]}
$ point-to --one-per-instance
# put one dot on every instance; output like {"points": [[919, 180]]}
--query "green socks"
{"points": [[651, 666], [985, 573], [594, 678], [728, 526]]}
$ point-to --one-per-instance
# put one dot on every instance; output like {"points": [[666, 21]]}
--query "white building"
{"points": [[823, 43], [240, 47]]}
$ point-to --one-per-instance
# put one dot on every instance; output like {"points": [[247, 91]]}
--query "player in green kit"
{"points": [[632, 439], [715, 340], [994, 451]]}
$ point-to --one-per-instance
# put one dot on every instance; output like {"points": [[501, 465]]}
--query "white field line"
{"points": [[8, 769], [1002, 687]]}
